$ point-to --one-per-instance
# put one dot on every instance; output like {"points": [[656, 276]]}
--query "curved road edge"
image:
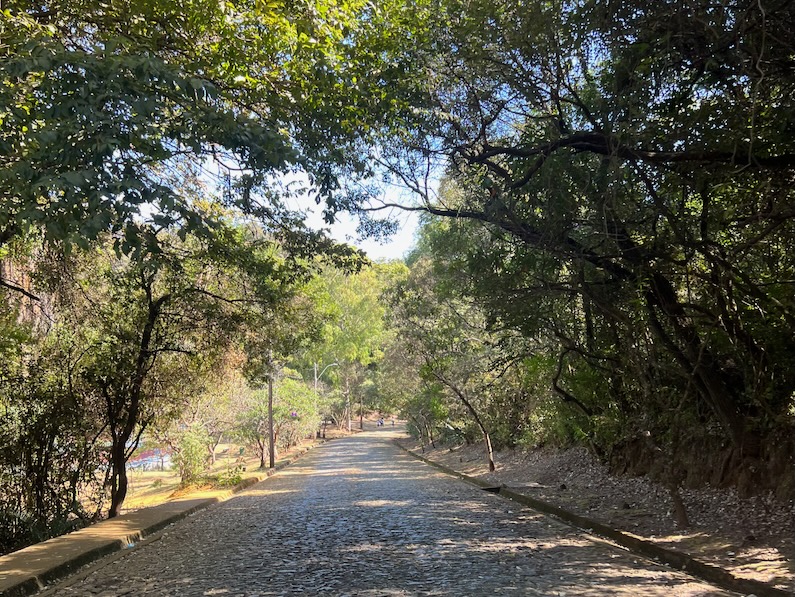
{"points": [[676, 559], [31, 569]]}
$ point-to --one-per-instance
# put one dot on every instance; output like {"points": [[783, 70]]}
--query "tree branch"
{"points": [[18, 289]]}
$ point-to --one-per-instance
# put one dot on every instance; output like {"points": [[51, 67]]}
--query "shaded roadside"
{"points": [[360, 518], [752, 541], [31, 569]]}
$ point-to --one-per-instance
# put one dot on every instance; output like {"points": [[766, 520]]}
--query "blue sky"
{"points": [[345, 231]]}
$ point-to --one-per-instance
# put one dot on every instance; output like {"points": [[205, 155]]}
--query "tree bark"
{"points": [[420, 430], [119, 451], [429, 430], [465, 401]]}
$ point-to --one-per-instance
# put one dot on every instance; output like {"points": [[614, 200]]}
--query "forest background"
{"points": [[604, 258]]}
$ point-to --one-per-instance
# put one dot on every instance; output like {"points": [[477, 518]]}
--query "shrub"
{"points": [[191, 454]]}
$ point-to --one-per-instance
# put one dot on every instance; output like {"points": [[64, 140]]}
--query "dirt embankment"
{"points": [[750, 537]]}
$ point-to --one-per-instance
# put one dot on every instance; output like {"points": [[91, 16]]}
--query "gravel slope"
{"points": [[752, 538]]}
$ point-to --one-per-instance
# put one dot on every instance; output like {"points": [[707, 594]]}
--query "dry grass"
{"points": [[150, 488]]}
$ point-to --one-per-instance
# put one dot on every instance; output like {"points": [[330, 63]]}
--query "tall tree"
{"points": [[631, 162], [354, 334], [455, 349], [113, 113], [141, 317]]}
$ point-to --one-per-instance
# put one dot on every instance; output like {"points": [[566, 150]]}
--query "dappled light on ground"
{"points": [[358, 517]]}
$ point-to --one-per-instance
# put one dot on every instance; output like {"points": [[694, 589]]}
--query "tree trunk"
{"points": [[118, 488], [430, 434], [671, 476], [486, 437], [694, 357], [489, 450], [262, 451], [129, 422], [419, 431], [680, 512], [348, 407]]}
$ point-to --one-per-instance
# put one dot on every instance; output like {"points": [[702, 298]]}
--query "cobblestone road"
{"points": [[359, 517]]}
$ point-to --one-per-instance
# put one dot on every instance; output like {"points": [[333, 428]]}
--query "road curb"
{"points": [[57, 558], [675, 559]]}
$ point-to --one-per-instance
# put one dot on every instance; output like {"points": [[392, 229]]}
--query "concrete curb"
{"points": [[675, 559], [29, 570]]}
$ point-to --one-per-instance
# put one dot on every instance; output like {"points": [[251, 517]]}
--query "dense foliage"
{"points": [[157, 138], [606, 255], [620, 177]]}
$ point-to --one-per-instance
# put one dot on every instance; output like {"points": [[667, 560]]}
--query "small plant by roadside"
{"points": [[228, 478]]}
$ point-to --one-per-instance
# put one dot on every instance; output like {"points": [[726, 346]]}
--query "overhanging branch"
{"points": [[19, 289]]}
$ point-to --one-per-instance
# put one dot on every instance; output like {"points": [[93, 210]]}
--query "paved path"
{"points": [[359, 517]]}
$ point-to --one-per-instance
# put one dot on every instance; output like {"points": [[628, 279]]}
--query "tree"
{"points": [[111, 118], [295, 412], [142, 319], [190, 453], [295, 416], [455, 349], [50, 436], [627, 165], [354, 333], [204, 412], [252, 424]]}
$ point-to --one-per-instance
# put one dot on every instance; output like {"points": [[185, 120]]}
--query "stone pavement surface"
{"points": [[358, 517]]}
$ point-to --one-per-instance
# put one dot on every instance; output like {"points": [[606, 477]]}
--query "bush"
{"points": [[19, 529], [191, 454], [230, 478]]}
